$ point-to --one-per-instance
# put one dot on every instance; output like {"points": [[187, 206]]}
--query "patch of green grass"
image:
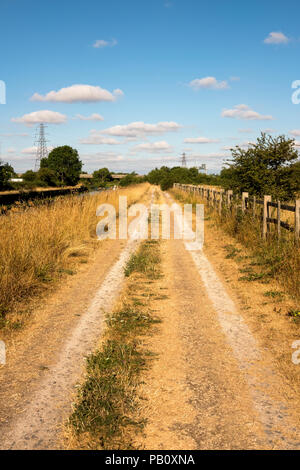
{"points": [[295, 314], [246, 270], [161, 297], [11, 324], [232, 251], [145, 261], [138, 302], [106, 399], [274, 294], [130, 319], [70, 272], [253, 277]]}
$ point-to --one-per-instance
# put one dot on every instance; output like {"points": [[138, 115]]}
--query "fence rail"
{"points": [[10, 198], [221, 199]]}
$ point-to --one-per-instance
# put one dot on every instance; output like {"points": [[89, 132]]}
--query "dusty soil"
{"points": [[45, 361], [224, 378]]}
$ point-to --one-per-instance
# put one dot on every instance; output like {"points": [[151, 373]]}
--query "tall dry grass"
{"points": [[279, 259], [39, 243]]}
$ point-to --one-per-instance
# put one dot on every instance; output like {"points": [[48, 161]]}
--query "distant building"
{"points": [[85, 176], [117, 176]]}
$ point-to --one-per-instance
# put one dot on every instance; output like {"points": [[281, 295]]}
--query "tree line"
{"points": [[62, 167], [269, 166]]}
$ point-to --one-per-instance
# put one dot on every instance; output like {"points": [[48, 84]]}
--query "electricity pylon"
{"points": [[41, 143]]}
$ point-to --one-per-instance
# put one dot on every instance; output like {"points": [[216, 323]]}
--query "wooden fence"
{"points": [[221, 199]]}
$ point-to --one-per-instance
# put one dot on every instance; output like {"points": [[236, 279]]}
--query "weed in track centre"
{"points": [[105, 415]]}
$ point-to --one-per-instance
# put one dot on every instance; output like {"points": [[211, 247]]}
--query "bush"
{"points": [[166, 183], [47, 177], [266, 167], [6, 172]]}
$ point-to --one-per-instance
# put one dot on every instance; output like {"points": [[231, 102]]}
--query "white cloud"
{"points": [[246, 144], [33, 150], [49, 117], [23, 134], [200, 140], [276, 38], [269, 131], [213, 155], [295, 132], [139, 129], [118, 93], [101, 43], [29, 150], [79, 93], [92, 117], [234, 79], [297, 143], [96, 139], [242, 111], [246, 131], [11, 150], [226, 147], [208, 82], [103, 157], [153, 147]]}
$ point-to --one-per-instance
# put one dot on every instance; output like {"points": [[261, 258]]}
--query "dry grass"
{"points": [[273, 258], [40, 243]]}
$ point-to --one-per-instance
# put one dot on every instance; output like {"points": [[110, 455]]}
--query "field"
{"points": [[40, 244]]}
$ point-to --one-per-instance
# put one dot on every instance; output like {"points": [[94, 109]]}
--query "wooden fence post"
{"points": [[254, 206], [229, 194], [244, 197], [220, 201], [279, 219], [297, 219], [267, 199]]}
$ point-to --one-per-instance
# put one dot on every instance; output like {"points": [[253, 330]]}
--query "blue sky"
{"points": [[154, 78]]}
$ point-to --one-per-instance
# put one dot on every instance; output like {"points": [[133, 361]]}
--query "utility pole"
{"points": [[41, 142], [183, 160], [203, 167]]}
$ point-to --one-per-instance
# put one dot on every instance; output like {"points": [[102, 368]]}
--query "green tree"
{"points": [[131, 178], [102, 176], [167, 176], [166, 182], [296, 176], [264, 168], [47, 177], [6, 172], [65, 163], [29, 176]]}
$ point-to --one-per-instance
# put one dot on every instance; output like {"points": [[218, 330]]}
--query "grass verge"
{"points": [[273, 258], [106, 412], [40, 244]]}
